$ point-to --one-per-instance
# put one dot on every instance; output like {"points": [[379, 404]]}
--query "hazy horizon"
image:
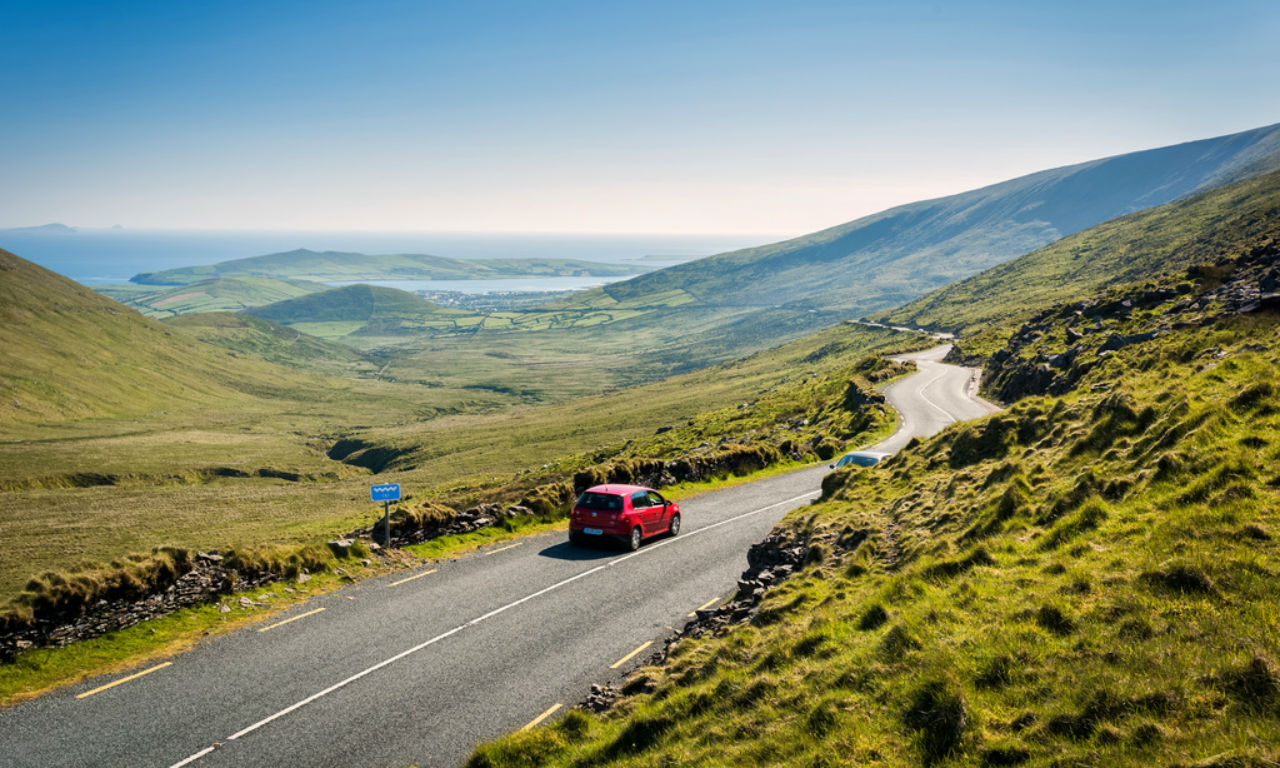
{"points": [[103, 255], [565, 117]]}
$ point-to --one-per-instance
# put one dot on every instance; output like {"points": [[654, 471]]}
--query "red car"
{"points": [[630, 513]]}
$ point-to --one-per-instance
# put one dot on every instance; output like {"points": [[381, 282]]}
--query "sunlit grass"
{"points": [[154, 479]]}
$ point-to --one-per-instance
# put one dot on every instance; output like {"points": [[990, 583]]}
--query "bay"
{"points": [[104, 256]]}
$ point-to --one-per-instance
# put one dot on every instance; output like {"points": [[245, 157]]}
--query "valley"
{"points": [[211, 466], [712, 310], [1085, 573]]}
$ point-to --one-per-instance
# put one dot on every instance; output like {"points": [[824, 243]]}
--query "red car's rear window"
{"points": [[602, 501]]}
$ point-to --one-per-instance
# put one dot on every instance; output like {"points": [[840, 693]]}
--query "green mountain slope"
{"points": [[275, 343], [69, 352], [883, 260], [349, 303], [334, 265], [362, 309], [716, 309], [218, 294], [1159, 241], [1087, 578]]}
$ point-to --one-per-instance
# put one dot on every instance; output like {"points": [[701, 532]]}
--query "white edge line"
{"points": [[565, 582], [193, 758]]}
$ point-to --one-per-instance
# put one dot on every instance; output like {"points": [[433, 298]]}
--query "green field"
{"points": [[217, 294]]}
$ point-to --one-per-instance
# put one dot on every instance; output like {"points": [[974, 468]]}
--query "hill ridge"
{"points": [[359, 301], [349, 265], [884, 258], [71, 353]]}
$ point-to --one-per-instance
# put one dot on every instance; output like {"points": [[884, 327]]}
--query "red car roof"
{"points": [[617, 490]]}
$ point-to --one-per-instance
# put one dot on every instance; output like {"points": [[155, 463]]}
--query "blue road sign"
{"points": [[388, 492]]}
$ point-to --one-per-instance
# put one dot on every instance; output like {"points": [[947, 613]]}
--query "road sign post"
{"points": [[385, 493]]}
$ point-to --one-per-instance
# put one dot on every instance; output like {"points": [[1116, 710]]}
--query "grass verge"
{"points": [[38, 671]]}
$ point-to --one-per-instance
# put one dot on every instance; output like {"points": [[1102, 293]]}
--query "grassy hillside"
{"points": [[219, 294], [364, 309], [260, 469], [1084, 581], [719, 309], [254, 336], [71, 353], [1087, 578], [889, 258], [349, 303], [1161, 241], [334, 266]]}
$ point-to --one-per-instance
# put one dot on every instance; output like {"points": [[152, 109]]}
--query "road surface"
{"points": [[420, 667], [933, 398]]}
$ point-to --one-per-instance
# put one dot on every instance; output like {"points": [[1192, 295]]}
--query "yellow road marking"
{"points": [[534, 723], [504, 549], [295, 618], [411, 578], [631, 655], [704, 607], [134, 676]]}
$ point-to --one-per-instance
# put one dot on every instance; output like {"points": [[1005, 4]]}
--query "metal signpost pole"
{"points": [[386, 494]]}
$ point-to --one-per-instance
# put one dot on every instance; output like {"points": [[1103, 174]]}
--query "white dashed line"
{"points": [[565, 582]]}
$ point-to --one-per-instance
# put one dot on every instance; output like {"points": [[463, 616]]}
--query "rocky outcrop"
{"points": [[1090, 330]]}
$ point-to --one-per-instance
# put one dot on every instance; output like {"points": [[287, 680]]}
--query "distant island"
{"points": [[327, 266], [54, 228]]}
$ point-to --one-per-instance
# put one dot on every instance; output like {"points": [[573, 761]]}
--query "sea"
{"points": [[112, 256]]}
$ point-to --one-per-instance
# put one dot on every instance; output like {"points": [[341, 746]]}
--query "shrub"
{"points": [[947, 569], [1052, 618], [640, 733], [1181, 578], [996, 673], [1254, 685], [1253, 396], [989, 440], [939, 714], [827, 447], [874, 617]]}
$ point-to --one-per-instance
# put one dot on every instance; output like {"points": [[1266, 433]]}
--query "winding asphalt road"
{"points": [[933, 398], [419, 667]]}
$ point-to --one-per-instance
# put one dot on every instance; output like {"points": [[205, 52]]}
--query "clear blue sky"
{"points": [[689, 116]]}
